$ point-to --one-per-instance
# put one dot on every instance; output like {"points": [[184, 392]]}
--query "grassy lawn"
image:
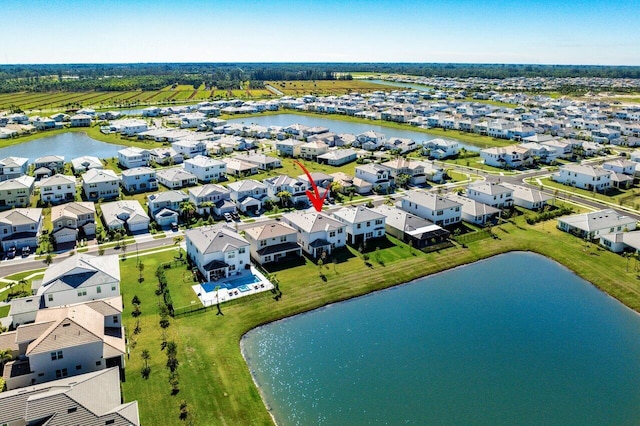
{"points": [[328, 87], [627, 197], [475, 162], [214, 378], [4, 311]]}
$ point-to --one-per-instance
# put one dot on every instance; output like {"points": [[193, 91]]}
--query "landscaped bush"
{"points": [[548, 215]]}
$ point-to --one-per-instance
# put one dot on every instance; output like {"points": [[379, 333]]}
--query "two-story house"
{"points": [[376, 174], [16, 192], [311, 150], [248, 195], [317, 232], [73, 221], [217, 251], [13, 167], [84, 163], [125, 214], [100, 184], [139, 179], [206, 169], [212, 198], [338, 157], [363, 224], [272, 242], [441, 148], [584, 176], [491, 193], [57, 189], [20, 228], [289, 147], [512, 156], [132, 156], [296, 188], [433, 207], [176, 177], [164, 206], [48, 166]]}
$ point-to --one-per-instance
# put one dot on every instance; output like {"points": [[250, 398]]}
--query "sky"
{"points": [[580, 32]]}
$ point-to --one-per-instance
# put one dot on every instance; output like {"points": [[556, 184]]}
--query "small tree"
{"points": [[146, 370], [135, 300], [184, 410], [100, 251], [174, 381], [49, 259], [140, 269]]}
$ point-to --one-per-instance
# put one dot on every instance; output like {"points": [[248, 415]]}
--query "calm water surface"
{"points": [[70, 145], [339, 126], [516, 339]]}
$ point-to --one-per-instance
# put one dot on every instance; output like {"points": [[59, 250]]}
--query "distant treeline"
{"points": [[125, 77]]}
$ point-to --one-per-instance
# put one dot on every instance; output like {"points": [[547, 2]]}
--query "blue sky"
{"points": [[490, 31]]}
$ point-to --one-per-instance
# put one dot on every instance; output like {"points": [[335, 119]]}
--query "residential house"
{"points": [[16, 192], [132, 157], [584, 176], [402, 145], [512, 156], [212, 198], [592, 225], [621, 166], [88, 399], [317, 232], [80, 120], [20, 228], [206, 169], [432, 207], [350, 184], [73, 221], [164, 206], [264, 162], [319, 179], [100, 184], [47, 166], [273, 242], [238, 167], [13, 167], [311, 150], [217, 251], [417, 172], [337, 157], [363, 224], [289, 147], [84, 163], [139, 179], [544, 153], [441, 148], [176, 177], [68, 341], [528, 198], [248, 195], [376, 174], [619, 242], [165, 156], [474, 211], [371, 140], [410, 228], [125, 214], [190, 148], [491, 193], [57, 189], [283, 183]]}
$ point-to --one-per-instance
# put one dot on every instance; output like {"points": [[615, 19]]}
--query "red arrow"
{"points": [[314, 196]]}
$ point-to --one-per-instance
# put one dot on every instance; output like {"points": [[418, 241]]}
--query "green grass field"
{"points": [[327, 87]]}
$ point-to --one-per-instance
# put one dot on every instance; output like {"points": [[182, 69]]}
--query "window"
{"points": [[340, 230], [72, 410], [115, 319], [113, 288], [98, 290], [359, 226], [50, 298], [332, 234], [241, 250], [82, 292], [98, 363], [78, 367], [56, 355], [61, 373], [110, 422]]}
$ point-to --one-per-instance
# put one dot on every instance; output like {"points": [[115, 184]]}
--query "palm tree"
{"points": [[335, 187], [187, 208], [285, 198], [6, 355]]}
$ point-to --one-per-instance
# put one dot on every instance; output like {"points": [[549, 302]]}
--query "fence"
{"points": [[470, 237]]}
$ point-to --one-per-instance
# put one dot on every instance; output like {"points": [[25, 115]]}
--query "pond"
{"points": [[515, 339], [69, 145], [339, 126]]}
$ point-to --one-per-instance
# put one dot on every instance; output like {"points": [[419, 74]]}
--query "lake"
{"points": [[515, 339], [339, 126], [70, 145]]}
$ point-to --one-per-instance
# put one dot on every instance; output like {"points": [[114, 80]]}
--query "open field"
{"points": [[214, 379], [326, 87]]}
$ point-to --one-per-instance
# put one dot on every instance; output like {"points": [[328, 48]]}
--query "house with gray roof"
{"points": [[248, 195], [376, 174], [20, 228], [490, 193], [363, 224], [432, 207], [73, 221], [529, 198], [474, 211], [88, 399], [318, 232], [272, 242], [13, 167], [132, 156], [289, 147], [16, 192], [206, 169], [585, 177], [594, 224], [410, 228], [84, 163], [164, 206], [338, 157], [48, 166], [283, 183], [263, 162], [57, 189], [100, 184], [176, 177], [139, 179], [212, 198], [67, 341], [165, 155], [217, 251], [125, 214]]}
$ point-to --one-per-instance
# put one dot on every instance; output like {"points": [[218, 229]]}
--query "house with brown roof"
{"points": [[272, 242]]}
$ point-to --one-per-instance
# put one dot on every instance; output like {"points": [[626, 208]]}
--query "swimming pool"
{"points": [[242, 283]]}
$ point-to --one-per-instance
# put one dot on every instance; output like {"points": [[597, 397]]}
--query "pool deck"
{"points": [[211, 298]]}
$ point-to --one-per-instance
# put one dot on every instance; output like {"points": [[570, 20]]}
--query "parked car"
{"points": [[26, 251], [11, 253], [228, 217]]}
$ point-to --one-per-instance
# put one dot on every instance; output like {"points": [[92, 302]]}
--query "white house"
{"points": [[237, 167], [289, 147], [410, 228], [376, 174], [13, 167], [190, 147], [99, 183], [131, 157], [529, 198], [123, 214], [165, 155], [80, 120], [441, 148], [474, 211], [584, 176], [594, 224], [263, 162], [48, 165], [283, 183], [217, 251], [311, 150], [338, 157], [139, 179], [20, 228], [272, 242], [86, 162], [491, 193], [164, 206], [318, 233], [621, 166], [176, 177], [73, 221], [57, 189], [432, 207], [248, 195], [16, 192], [512, 156], [212, 198], [371, 140], [363, 224], [206, 169]]}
